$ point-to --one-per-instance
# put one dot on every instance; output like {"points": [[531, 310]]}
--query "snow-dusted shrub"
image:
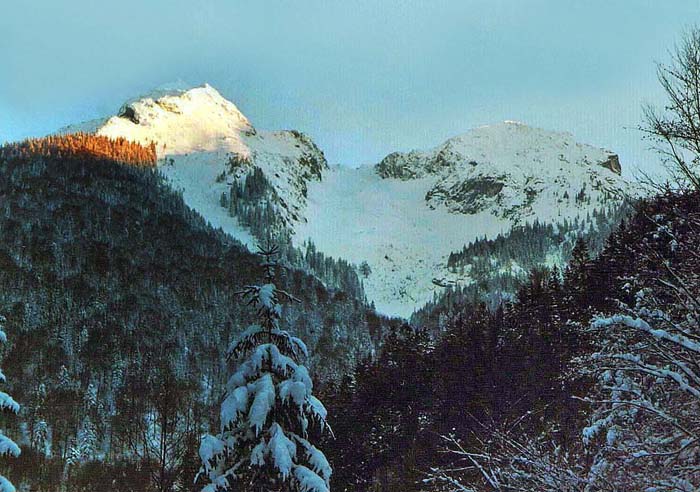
{"points": [[645, 428], [507, 460]]}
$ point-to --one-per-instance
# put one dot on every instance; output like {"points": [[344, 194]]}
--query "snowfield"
{"points": [[403, 216], [356, 215], [205, 167], [406, 238]]}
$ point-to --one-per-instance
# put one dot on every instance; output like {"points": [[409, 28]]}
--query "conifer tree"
{"points": [[576, 276], [578, 264], [7, 445], [365, 269], [269, 408]]}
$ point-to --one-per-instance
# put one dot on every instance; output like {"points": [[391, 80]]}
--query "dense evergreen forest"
{"points": [[498, 386], [84, 145], [118, 300], [532, 245]]}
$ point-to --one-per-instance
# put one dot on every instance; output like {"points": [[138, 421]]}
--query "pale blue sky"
{"points": [[362, 78]]}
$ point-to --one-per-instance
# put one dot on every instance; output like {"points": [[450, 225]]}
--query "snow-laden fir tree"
{"points": [[269, 409], [7, 403]]}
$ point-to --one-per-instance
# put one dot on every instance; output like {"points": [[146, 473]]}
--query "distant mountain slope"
{"points": [[402, 217], [512, 170], [406, 215]]}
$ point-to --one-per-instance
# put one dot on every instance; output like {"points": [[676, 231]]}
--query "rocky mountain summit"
{"points": [[402, 217], [205, 143], [511, 170]]}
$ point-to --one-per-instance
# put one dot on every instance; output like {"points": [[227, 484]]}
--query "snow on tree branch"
{"points": [[7, 403]]}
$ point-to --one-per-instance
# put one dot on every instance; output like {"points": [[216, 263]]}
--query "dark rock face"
{"points": [[468, 197], [129, 113], [395, 165], [613, 164], [472, 175], [413, 165], [313, 161]]}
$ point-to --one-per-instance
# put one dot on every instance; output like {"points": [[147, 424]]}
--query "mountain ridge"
{"points": [[402, 217]]}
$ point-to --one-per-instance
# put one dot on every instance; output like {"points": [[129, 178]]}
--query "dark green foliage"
{"points": [[109, 281], [365, 269], [484, 365], [253, 201], [382, 412]]}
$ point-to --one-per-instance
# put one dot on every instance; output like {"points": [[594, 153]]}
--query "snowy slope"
{"points": [[403, 216], [205, 141], [406, 214], [357, 215], [513, 170]]}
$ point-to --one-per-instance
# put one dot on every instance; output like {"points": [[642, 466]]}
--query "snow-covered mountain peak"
{"points": [[207, 143], [180, 90], [508, 147], [510, 169], [403, 216], [182, 121]]}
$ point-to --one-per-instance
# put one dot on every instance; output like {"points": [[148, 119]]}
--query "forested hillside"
{"points": [[550, 392], [83, 145], [500, 267], [120, 304]]}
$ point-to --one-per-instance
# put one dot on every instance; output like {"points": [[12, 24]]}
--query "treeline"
{"points": [[532, 245], [255, 203], [82, 145], [337, 272], [118, 300]]}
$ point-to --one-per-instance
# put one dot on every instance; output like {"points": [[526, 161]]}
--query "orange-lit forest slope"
{"points": [[83, 145]]}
